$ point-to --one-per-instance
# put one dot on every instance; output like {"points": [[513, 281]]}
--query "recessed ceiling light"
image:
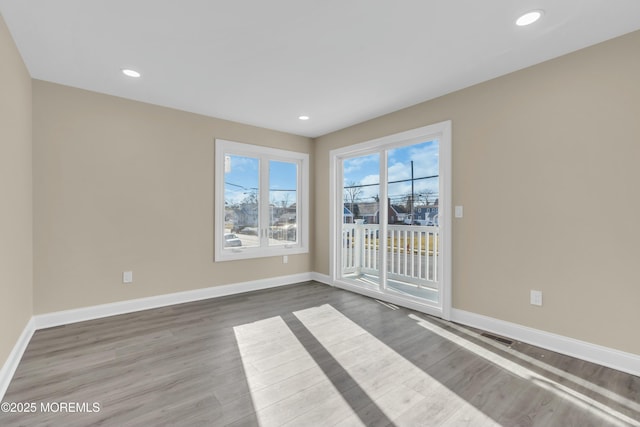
{"points": [[529, 18], [130, 73], [304, 117]]}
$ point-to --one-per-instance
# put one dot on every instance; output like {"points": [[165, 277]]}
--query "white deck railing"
{"points": [[412, 251]]}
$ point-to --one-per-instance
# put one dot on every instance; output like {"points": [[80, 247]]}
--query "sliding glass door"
{"points": [[390, 239]]}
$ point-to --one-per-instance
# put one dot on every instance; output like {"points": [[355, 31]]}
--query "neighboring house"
{"points": [[399, 214], [369, 212], [244, 215], [287, 218], [347, 215], [428, 213], [283, 215]]}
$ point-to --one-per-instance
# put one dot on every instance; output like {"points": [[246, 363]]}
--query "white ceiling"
{"points": [[267, 62]]}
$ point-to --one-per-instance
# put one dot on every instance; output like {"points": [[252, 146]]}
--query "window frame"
{"points": [[264, 155]]}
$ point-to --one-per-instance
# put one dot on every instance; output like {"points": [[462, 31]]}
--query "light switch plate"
{"points": [[458, 212]]}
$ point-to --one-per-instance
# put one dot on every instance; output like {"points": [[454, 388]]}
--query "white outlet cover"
{"points": [[127, 277], [536, 298]]}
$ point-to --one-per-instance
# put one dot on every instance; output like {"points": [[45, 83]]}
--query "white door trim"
{"points": [[441, 131]]}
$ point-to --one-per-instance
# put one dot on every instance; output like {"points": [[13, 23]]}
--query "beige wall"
{"points": [[121, 185], [546, 165], [16, 255]]}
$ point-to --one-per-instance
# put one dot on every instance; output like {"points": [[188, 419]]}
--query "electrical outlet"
{"points": [[285, 259], [127, 277], [536, 298]]}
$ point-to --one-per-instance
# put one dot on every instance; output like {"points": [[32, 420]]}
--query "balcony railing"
{"points": [[412, 252]]}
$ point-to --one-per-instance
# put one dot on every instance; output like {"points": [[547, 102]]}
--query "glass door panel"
{"points": [[412, 231], [360, 254]]}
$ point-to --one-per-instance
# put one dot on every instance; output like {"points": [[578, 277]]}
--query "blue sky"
{"points": [[365, 170], [242, 176], [243, 172]]}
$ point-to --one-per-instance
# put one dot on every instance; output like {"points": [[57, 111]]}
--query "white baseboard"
{"points": [[65, 317], [616, 359], [11, 364], [49, 320], [605, 356], [322, 278], [612, 358]]}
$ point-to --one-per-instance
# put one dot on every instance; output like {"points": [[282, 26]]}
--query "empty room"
{"points": [[308, 213]]}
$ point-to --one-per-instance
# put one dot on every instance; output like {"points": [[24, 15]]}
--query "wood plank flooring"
{"points": [[304, 355]]}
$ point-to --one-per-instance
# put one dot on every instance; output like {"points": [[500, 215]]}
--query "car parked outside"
{"points": [[231, 241]]}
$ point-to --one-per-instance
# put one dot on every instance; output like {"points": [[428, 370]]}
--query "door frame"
{"points": [[440, 131]]}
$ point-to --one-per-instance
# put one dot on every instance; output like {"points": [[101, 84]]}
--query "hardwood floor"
{"points": [[304, 355]]}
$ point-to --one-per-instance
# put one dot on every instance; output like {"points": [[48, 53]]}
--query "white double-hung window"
{"points": [[261, 201]]}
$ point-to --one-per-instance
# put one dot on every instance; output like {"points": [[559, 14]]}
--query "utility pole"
{"points": [[413, 217]]}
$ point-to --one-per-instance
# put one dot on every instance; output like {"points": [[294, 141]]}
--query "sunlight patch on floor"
{"points": [[576, 398], [631, 404], [284, 380], [406, 394]]}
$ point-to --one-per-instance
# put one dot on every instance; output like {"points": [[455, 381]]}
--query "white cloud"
{"points": [[425, 163], [233, 196], [398, 171], [358, 163], [425, 159], [242, 164]]}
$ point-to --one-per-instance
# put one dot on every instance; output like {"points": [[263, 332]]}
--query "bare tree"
{"points": [[422, 199], [285, 200], [352, 192], [250, 198]]}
